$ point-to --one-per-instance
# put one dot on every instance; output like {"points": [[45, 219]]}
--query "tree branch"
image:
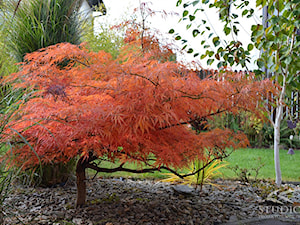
{"points": [[76, 60], [202, 168], [119, 169], [138, 75], [192, 120]]}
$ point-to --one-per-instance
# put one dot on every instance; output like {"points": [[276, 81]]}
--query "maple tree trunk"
{"points": [[80, 181]]}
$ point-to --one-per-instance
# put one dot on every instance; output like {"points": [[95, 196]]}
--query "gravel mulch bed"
{"points": [[126, 202]]}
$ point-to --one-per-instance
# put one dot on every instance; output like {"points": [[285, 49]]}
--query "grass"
{"points": [[243, 158], [252, 158]]}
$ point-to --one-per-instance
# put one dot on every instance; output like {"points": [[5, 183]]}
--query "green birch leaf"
{"points": [[185, 13], [220, 64], [260, 63], [191, 17], [227, 30], [250, 47], [177, 38], [196, 32], [245, 12], [188, 26], [210, 61], [195, 2], [190, 50], [216, 41]]}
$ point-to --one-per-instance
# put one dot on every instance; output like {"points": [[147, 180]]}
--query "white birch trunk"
{"points": [[276, 144], [279, 112]]}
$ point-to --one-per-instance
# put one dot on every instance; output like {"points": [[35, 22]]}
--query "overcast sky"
{"points": [[118, 11]]}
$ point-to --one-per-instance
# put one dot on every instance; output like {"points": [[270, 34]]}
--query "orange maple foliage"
{"points": [[96, 104], [135, 108]]}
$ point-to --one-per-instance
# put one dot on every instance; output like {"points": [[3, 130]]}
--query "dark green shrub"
{"points": [[259, 133], [285, 135], [244, 121]]}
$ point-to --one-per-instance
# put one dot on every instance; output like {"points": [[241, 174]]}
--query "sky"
{"points": [[118, 11]]}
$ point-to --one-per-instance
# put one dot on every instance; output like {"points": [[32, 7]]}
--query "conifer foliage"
{"points": [[136, 108]]}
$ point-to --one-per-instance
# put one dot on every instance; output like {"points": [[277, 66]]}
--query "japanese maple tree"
{"points": [[136, 108]]}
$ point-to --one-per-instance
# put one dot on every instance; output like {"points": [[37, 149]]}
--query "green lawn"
{"points": [[249, 158], [244, 158]]}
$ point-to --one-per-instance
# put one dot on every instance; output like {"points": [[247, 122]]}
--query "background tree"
{"points": [[132, 109], [276, 37], [107, 39]]}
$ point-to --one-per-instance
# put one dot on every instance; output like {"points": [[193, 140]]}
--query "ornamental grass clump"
{"points": [[36, 24], [10, 102], [199, 173]]}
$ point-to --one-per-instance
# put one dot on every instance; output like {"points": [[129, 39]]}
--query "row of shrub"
{"points": [[260, 133]]}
